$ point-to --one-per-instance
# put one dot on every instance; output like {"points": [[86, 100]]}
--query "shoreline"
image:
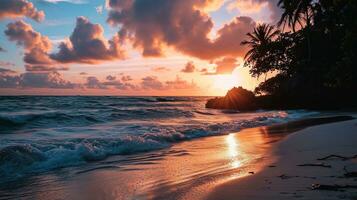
{"points": [[297, 167], [187, 170]]}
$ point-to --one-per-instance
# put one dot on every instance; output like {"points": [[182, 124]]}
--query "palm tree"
{"points": [[297, 12], [259, 43], [288, 16]]}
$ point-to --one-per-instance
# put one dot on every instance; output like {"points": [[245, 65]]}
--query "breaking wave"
{"points": [[58, 132]]}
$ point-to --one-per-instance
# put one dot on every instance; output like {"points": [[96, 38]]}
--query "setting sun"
{"points": [[225, 82]]}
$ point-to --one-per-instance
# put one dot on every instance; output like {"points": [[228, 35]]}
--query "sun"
{"points": [[225, 82]]}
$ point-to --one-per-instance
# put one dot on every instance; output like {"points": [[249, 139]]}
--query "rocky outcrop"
{"points": [[237, 98]]}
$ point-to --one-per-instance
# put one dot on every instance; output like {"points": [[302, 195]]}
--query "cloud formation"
{"points": [[189, 68], [88, 45], [111, 78], [35, 45], [153, 83], [226, 65], [160, 69], [54, 80], [153, 24], [180, 84], [126, 78], [8, 78], [20, 8], [256, 6], [6, 64], [120, 85], [45, 80], [44, 68], [23, 34], [6, 71], [93, 82], [230, 37]]}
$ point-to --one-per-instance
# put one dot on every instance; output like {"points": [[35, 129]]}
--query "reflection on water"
{"points": [[233, 150], [187, 170]]}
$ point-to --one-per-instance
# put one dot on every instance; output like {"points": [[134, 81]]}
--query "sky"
{"points": [[127, 47]]}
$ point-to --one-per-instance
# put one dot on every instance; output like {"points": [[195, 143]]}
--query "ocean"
{"points": [[39, 133]]}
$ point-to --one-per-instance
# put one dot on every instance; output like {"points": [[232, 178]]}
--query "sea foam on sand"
{"points": [[284, 179]]}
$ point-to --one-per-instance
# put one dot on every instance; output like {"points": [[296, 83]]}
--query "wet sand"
{"points": [[291, 176], [210, 166]]}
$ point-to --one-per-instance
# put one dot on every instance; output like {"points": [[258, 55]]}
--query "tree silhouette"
{"points": [[259, 42], [315, 65]]}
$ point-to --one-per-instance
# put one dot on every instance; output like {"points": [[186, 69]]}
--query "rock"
{"points": [[237, 98]]}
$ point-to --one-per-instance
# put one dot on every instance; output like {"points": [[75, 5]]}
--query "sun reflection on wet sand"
{"points": [[187, 170], [233, 152]]}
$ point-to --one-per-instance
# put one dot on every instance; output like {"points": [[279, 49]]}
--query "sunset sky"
{"points": [[127, 47]]}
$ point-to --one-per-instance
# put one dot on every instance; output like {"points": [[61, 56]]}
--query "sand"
{"points": [[284, 179]]}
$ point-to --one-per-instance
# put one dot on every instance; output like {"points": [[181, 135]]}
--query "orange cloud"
{"points": [[86, 45], [126, 78], [35, 45], [153, 24], [255, 6], [160, 69], [180, 84], [226, 65], [247, 6], [153, 83], [20, 8], [44, 68], [189, 68], [24, 35]]}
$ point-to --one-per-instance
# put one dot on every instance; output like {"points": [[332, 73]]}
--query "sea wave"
{"points": [[54, 119], [44, 155], [18, 120], [39, 134]]}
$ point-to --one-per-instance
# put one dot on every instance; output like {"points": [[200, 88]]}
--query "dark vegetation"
{"points": [[312, 52]]}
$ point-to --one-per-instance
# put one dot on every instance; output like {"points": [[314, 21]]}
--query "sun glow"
{"points": [[225, 82], [233, 150]]}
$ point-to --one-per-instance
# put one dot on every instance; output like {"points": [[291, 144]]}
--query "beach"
{"points": [[284, 179], [234, 164]]}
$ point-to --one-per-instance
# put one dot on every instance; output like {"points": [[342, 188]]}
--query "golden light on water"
{"points": [[233, 152]]}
